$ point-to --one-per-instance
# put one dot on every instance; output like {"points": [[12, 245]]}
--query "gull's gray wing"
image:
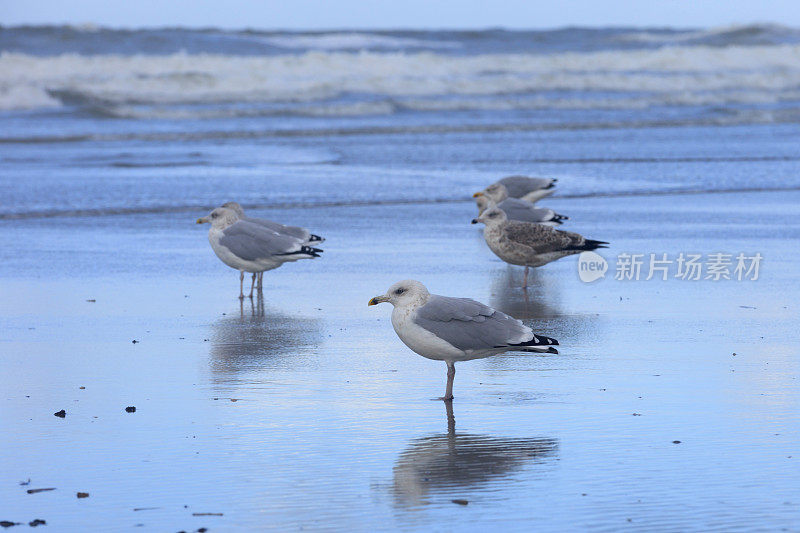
{"points": [[544, 239], [252, 242], [525, 211], [292, 231], [470, 325], [519, 186]]}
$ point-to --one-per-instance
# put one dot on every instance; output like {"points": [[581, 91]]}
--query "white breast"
{"points": [[420, 340]]}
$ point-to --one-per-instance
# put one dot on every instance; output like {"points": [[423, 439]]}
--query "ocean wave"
{"points": [[353, 41], [345, 83], [23, 214]]}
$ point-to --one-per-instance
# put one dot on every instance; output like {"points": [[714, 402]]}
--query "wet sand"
{"points": [[304, 410]]}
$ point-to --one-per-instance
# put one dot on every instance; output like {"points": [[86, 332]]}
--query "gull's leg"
{"points": [[525, 281], [451, 373], [260, 281], [241, 284], [252, 285]]}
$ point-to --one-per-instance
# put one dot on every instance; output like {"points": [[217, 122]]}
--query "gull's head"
{"points": [[493, 215], [221, 217], [235, 207], [483, 202], [496, 192], [403, 293]]}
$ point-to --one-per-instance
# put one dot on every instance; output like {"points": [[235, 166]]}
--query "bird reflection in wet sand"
{"points": [[535, 302], [453, 464], [257, 338]]}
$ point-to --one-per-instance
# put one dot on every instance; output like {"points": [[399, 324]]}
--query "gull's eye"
{"points": [[214, 215], [493, 215], [399, 291]]}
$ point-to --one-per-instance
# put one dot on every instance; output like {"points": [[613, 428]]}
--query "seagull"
{"points": [[522, 210], [530, 245], [293, 231], [455, 329], [248, 247], [302, 234], [522, 187]]}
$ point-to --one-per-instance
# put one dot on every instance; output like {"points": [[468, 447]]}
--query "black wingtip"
{"points": [[552, 184], [314, 238], [552, 350]]}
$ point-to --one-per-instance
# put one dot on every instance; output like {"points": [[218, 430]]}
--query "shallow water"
{"points": [[332, 425]]}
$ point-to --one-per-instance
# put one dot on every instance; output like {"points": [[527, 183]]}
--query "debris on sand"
{"points": [[206, 514], [130, 409], [460, 502], [23, 483], [82, 495], [37, 522], [676, 442], [34, 491], [92, 300], [134, 341], [6, 523], [60, 414]]}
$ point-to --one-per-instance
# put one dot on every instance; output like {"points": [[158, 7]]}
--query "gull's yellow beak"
{"points": [[477, 194], [377, 300], [202, 220]]}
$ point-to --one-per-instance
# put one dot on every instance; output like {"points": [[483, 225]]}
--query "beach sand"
{"points": [[304, 410]]}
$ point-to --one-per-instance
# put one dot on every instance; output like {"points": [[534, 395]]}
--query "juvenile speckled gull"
{"points": [[302, 234], [530, 245], [248, 247], [455, 329], [522, 187], [522, 210]]}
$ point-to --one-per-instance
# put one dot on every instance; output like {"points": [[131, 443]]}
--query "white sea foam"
{"points": [[329, 82], [353, 41]]}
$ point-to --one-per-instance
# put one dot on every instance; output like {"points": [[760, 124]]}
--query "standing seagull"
{"points": [[523, 187], [530, 245], [522, 210], [455, 329], [248, 247], [302, 234]]}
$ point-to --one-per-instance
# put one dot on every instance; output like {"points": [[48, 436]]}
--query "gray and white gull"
{"points": [[522, 187], [455, 329], [530, 245], [299, 233], [249, 247], [522, 210]]}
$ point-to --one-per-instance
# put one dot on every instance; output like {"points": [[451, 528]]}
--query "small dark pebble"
{"points": [[206, 514], [37, 522], [61, 414], [134, 341], [202, 530], [676, 442], [82, 495], [82, 388], [460, 502], [6, 523], [130, 409], [34, 491], [637, 414], [23, 483], [92, 300], [145, 508]]}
